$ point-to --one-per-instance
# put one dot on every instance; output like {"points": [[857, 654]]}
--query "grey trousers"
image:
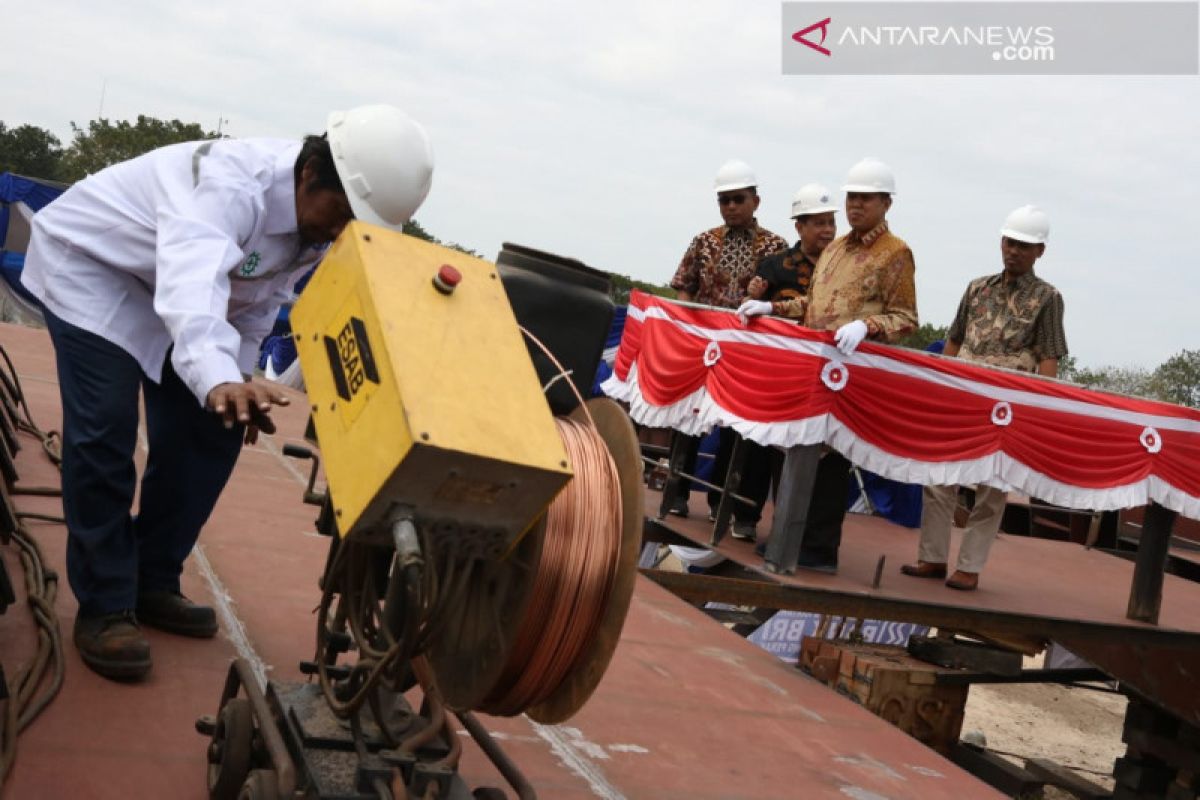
{"points": [[791, 505]]}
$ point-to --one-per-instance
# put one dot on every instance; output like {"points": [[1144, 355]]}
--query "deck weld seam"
{"points": [[270, 447], [576, 761], [235, 631]]}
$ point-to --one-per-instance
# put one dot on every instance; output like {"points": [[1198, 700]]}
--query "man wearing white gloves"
{"points": [[161, 276], [1012, 319], [862, 288]]}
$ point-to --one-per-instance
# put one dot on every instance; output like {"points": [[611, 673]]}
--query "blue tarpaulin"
{"points": [[33, 193]]}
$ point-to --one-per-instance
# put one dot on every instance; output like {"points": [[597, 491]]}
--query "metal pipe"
{"points": [[281, 759], [681, 474], [498, 757]]}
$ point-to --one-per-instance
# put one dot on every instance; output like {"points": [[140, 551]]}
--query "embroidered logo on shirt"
{"points": [[250, 264]]}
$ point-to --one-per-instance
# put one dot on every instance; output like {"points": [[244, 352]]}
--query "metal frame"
{"points": [[756, 589], [677, 478]]}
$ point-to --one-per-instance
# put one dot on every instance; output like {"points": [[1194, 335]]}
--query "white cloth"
{"points": [[193, 245], [291, 376]]}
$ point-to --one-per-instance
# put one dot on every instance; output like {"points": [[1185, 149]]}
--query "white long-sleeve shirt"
{"points": [[193, 245]]}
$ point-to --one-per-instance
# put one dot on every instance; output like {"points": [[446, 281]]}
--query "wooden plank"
{"points": [[1057, 775], [960, 654], [1003, 775]]}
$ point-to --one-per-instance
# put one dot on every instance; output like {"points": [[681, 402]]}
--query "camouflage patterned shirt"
{"points": [[1014, 324]]}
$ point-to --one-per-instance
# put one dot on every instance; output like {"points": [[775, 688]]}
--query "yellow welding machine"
{"points": [[422, 391]]}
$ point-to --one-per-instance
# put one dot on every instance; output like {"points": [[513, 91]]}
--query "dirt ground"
{"points": [[1078, 728]]}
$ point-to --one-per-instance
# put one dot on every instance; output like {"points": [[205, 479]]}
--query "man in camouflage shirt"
{"points": [[715, 270], [1012, 319]]}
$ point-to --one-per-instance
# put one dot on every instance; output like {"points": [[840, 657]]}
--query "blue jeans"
{"points": [[112, 556]]}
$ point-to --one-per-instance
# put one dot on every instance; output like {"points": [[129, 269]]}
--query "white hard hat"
{"points": [[385, 162], [870, 175], [812, 198], [1027, 224], [734, 175]]}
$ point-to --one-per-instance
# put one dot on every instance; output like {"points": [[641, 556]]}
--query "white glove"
{"points": [[752, 308], [850, 336]]}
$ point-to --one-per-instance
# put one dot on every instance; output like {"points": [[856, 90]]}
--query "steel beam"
{"points": [[769, 594], [1145, 594]]}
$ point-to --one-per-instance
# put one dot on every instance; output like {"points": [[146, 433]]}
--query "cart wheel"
{"points": [[261, 785], [229, 751]]}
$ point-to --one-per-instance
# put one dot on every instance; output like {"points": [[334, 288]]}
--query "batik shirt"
{"points": [[868, 277], [720, 262], [1015, 324], [787, 274]]}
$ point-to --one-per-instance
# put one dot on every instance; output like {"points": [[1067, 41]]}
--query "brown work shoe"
{"points": [[113, 646], [965, 581], [174, 613], [924, 569]]}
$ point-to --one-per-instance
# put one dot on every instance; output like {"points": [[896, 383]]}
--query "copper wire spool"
{"points": [[585, 573]]}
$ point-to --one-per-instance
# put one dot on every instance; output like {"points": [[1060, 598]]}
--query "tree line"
{"points": [[37, 153], [1176, 380]]}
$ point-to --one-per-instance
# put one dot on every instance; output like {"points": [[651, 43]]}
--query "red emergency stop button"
{"points": [[446, 279]]}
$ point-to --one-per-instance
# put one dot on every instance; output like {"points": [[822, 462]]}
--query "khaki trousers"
{"points": [[937, 517]]}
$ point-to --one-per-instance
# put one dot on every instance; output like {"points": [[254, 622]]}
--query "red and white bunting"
{"points": [[907, 415]]}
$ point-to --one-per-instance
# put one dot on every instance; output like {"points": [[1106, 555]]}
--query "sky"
{"points": [[594, 131]]}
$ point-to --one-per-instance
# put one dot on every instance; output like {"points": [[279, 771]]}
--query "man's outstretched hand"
{"points": [[248, 403]]}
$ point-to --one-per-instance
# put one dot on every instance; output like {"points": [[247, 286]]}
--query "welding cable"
{"points": [[449, 605], [439, 720], [33, 687], [51, 440], [370, 670], [574, 578], [437, 709]]}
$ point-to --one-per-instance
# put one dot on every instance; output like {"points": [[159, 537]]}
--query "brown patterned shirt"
{"points": [[868, 277], [1014, 324], [720, 262]]}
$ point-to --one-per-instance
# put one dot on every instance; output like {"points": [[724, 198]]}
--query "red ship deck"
{"points": [[1038, 579], [687, 709]]}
